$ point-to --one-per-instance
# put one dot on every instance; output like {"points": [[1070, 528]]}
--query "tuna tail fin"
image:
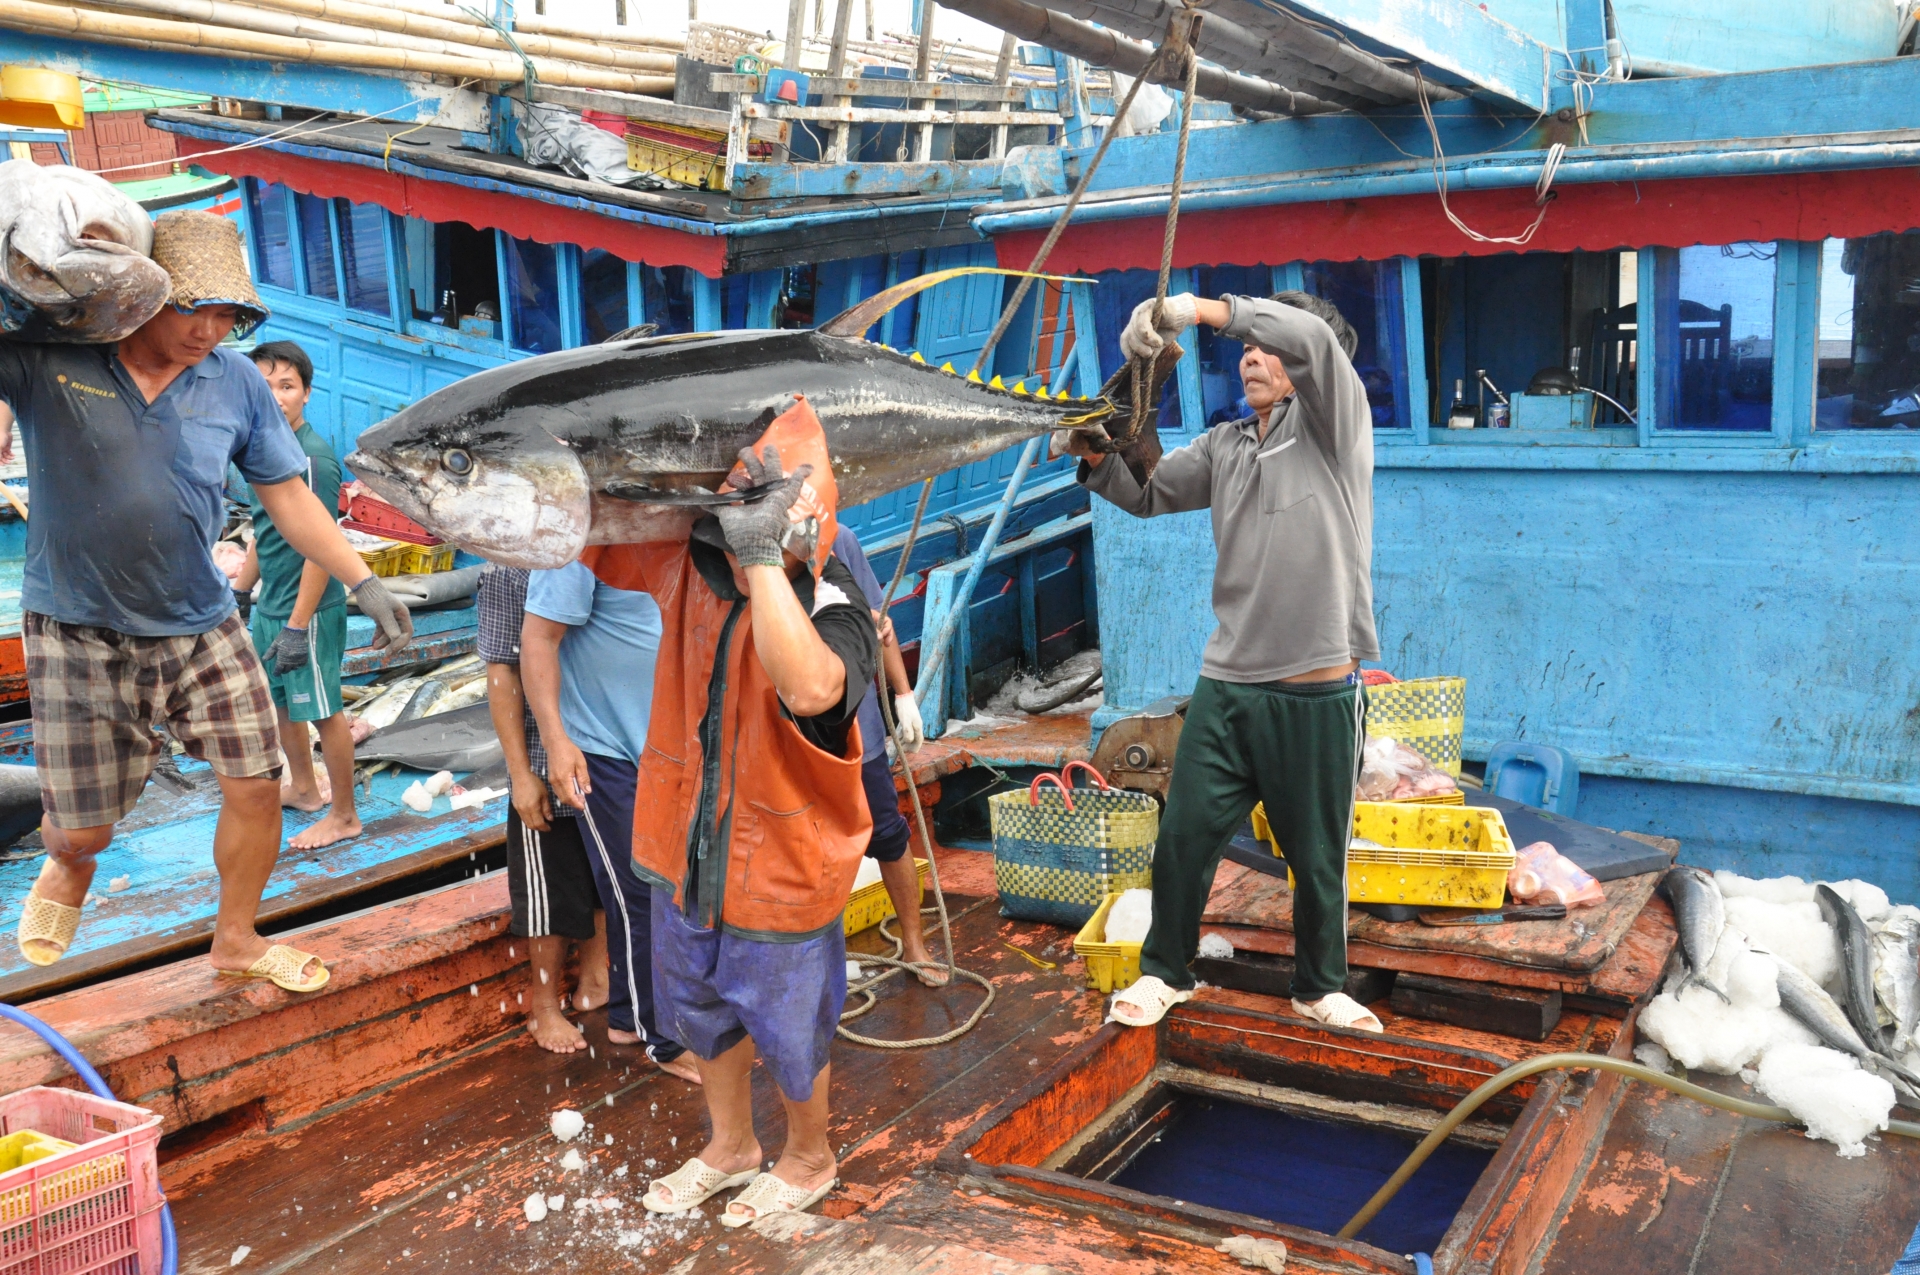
{"points": [[1702, 980], [854, 322]]}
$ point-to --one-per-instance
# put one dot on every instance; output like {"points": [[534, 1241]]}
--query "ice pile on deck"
{"points": [[1749, 1034]]}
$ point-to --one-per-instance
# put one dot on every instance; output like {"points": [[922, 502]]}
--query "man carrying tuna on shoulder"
{"points": [[750, 818], [1278, 713]]}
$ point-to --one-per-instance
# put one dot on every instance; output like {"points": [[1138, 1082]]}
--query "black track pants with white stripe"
{"points": [[1295, 747], [548, 882]]}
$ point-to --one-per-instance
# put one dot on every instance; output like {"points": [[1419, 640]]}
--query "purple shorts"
{"points": [[711, 990]]}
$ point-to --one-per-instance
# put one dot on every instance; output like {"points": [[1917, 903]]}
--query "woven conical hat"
{"points": [[203, 254]]}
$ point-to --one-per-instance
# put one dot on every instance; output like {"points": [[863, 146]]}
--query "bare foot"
{"points": [[308, 799], [337, 826], [934, 977], [682, 1066], [617, 1037], [551, 1030], [592, 992]]}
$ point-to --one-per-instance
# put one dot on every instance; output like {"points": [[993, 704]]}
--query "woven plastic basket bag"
{"points": [[1427, 714], [1058, 853]]}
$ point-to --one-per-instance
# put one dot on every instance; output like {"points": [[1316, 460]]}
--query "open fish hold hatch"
{"points": [[1232, 1119]]}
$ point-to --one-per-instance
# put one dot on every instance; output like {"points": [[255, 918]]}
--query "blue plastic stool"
{"points": [[1537, 775]]}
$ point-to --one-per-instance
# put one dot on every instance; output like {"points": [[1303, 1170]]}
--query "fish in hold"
{"points": [[629, 441], [73, 257], [1896, 977], [1856, 962], [1700, 914], [1808, 1002]]}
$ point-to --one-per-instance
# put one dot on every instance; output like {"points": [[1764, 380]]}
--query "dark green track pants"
{"points": [[1297, 749]]}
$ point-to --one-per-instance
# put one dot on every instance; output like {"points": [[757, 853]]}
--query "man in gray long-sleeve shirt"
{"points": [[1278, 713]]}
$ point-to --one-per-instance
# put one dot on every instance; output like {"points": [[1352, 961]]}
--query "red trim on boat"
{"points": [[1593, 217], [450, 201]]}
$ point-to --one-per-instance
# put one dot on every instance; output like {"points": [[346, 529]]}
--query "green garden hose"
{"points": [[1555, 1062]]}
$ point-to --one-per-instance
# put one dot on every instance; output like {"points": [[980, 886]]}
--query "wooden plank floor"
{"points": [[433, 1174], [1692, 1190]]}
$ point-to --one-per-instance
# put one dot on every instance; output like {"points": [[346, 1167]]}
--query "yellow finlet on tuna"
{"points": [[1019, 387], [915, 357], [974, 375], [946, 367], [997, 383]]}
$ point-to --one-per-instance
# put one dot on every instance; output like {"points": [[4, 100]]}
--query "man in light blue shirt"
{"points": [[586, 661]]}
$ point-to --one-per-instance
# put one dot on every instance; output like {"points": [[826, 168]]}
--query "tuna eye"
{"points": [[457, 462]]}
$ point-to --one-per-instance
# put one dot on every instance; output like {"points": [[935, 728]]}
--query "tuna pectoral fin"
{"points": [[854, 323], [640, 493]]}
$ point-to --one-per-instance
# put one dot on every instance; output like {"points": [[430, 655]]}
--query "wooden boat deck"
{"points": [[399, 1121]]}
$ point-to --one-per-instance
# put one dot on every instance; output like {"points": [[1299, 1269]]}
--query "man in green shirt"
{"points": [[300, 621]]}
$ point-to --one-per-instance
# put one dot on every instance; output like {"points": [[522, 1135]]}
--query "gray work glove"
{"points": [[288, 650], [387, 612], [758, 532]]}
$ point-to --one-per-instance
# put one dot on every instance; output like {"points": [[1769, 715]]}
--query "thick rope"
{"points": [[897, 966], [1143, 368]]}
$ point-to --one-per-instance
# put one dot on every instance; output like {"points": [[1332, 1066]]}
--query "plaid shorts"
{"points": [[98, 695]]}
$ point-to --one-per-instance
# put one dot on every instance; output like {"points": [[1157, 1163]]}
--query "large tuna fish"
{"points": [[73, 257], [530, 462]]}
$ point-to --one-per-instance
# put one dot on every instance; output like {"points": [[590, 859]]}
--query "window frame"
{"points": [[1787, 341]]}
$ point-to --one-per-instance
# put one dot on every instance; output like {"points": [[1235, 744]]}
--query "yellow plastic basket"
{"points": [[419, 560], [383, 560], [1432, 856], [1111, 967], [1427, 714], [870, 904], [688, 165]]}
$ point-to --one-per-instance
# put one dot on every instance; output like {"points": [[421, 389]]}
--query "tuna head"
{"points": [[512, 495]]}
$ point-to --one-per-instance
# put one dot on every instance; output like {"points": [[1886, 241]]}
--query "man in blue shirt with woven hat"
{"points": [[127, 621]]}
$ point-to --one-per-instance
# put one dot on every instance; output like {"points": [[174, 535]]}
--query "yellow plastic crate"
{"points": [[870, 904], [1427, 714], [1433, 856], [383, 560], [677, 163], [1111, 967], [419, 560]]}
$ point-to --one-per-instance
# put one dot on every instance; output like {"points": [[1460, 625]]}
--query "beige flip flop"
{"points": [[1151, 996], [48, 926], [767, 1195], [1337, 1009], [693, 1183], [281, 966]]}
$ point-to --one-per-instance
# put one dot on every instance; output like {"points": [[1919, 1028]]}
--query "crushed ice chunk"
{"points": [[621, 1172], [416, 798], [566, 1124], [535, 1207], [1649, 1054], [118, 884], [1131, 917], [572, 1162], [1215, 947], [853, 971], [609, 1141], [581, 1202], [240, 1255], [1826, 1090], [438, 783], [556, 1202]]}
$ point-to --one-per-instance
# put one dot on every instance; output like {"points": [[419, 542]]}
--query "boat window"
{"points": [[603, 295], [466, 277], [316, 246], [1220, 394], [1869, 341], [1714, 351], [1368, 296], [1514, 315], [900, 324], [1115, 294], [363, 255], [668, 294], [533, 273], [795, 306], [272, 234]]}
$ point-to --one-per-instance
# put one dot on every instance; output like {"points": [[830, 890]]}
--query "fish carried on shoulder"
{"points": [[631, 441], [74, 262]]}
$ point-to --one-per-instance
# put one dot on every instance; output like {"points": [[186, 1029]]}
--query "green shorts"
{"points": [[312, 693]]}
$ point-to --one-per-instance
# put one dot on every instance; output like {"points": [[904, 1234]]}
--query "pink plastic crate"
{"points": [[95, 1208]]}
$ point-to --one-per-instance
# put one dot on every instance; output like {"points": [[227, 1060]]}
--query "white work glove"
{"points": [[1142, 340], [909, 731]]}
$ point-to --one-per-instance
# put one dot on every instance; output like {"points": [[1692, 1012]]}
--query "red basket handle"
{"points": [[1066, 772], [1033, 790]]}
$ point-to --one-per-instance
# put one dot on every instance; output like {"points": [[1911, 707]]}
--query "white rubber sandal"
{"points": [[1151, 996], [46, 928], [767, 1195], [1338, 1009], [693, 1183]]}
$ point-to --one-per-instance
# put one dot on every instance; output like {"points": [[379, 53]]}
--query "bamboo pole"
{"points": [[456, 28], [272, 19], [582, 31], [192, 37]]}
